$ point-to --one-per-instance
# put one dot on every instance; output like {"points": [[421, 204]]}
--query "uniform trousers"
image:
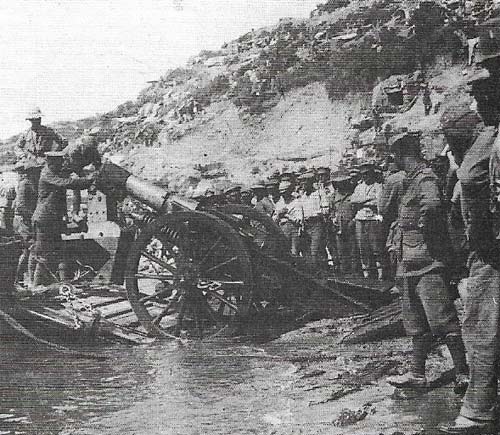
{"points": [[345, 243], [47, 250], [315, 249], [369, 241], [291, 232], [480, 331], [428, 306]]}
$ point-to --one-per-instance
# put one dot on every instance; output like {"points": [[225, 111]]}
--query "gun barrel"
{"points": [[114, 177], [147, 193]]}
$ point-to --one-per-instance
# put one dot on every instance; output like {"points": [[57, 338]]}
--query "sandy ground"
{"points": [[342, 389]]}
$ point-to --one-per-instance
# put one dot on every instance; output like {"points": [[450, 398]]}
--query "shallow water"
{"points": [[198, 388]]}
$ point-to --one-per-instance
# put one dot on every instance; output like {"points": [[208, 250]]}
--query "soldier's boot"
{"points": [[415, 378], [456, 347]]}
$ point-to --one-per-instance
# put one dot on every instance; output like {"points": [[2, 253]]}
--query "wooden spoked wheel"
{"points": [[189, 272], [266, 242]]}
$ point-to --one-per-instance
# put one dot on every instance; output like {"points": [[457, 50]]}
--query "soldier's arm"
{"points": [[58, 142], [431, 210], [74, 183], [19, 148]]}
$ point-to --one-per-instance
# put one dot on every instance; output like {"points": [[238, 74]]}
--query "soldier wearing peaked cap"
{"points": [[233, 194], [313, 221], [48, 215], [260, 200], [342, 244], [35, 142], [367, 221], [288, 214], [423, 260], [478, 151], [246, 196]]}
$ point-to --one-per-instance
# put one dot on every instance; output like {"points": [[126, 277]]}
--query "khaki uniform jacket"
{"points": [[475, 174], [51, 205], [32, 145], [425, 244]]}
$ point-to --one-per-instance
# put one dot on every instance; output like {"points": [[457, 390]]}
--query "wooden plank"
{"points": [[100, 301], [118, 307]]}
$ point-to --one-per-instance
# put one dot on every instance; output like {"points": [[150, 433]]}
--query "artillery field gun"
{"points": [[187, 268]]}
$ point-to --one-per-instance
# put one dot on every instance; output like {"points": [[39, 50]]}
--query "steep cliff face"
{"points": [[286, 96]]}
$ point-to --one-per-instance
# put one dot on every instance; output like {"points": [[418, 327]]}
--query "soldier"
{"points": [[313, 222], [25, 205], [368, 229], [261, 201], [288, 214], [233, 195], [342, 220], [272, 190], [35, 142], [428, 307], [81, 153], [49, 213], [479, 177], [388, 204], [8, 181], [246, 196]]}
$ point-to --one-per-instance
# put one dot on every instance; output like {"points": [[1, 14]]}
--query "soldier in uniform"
{"points": [[35, 142], [368, 228], [261, 201], [246, 196], [49, 213], [81, 153], [342, 215], [313, 222], [233, 195], [287, 214], [476, 150], [428, 307], [25, 205], [7, 196], [388, 204]]}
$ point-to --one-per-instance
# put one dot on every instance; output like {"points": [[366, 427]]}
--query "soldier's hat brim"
{"points": [[55, 154], [408, 141], [232, 189]]}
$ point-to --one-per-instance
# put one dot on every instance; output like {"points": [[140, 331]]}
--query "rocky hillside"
{"points": [[298, 93]]}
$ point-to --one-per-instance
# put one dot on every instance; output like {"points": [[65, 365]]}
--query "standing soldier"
{"points": [[7, 196], [23, 212], [287, 214], [313, 222], [35, 142], [428, 307], [49, 213], [261, 201], [368, 228], [342, 220], [388, 205], [81, 153], [477, 152], [233, 194], [246, 196]]}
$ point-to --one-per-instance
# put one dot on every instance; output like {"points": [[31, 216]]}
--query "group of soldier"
{"points": [[363, 220], [359, 220], [47, 166]]}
